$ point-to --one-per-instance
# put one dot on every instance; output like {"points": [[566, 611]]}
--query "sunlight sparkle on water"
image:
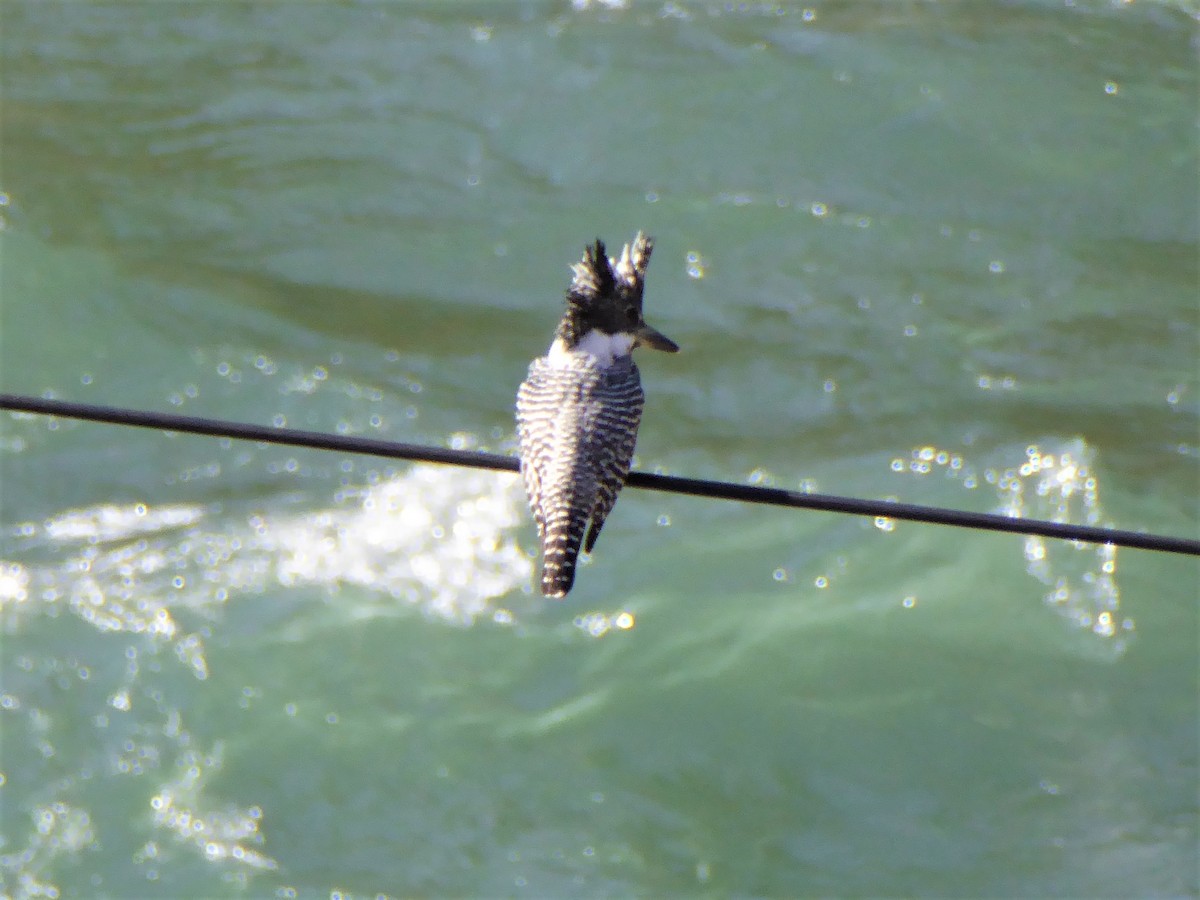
{"points": [[1057, 486], [599, 624], [1081, 577]]}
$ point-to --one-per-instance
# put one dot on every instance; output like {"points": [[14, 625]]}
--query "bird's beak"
{"points": [[655, 339]]}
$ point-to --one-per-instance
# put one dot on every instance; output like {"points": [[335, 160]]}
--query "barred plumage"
{"points": [[578, 411], [577, 427]]}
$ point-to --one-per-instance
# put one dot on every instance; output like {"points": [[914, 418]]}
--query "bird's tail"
{"points": [[560, 550]]}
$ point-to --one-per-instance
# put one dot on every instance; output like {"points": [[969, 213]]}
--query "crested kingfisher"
{"points": [[579, 409]]}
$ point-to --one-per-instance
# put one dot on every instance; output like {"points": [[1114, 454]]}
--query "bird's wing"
{"points": [[554, 407], [617, 412], [536, 401]]}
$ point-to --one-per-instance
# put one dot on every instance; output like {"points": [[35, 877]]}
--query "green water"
{"points": [[944, 252]]}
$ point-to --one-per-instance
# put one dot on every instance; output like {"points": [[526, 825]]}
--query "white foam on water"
{"points": [[438, 539], [441, 539]]}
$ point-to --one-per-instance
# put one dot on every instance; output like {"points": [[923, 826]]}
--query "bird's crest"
{"points": [[597, 278]]}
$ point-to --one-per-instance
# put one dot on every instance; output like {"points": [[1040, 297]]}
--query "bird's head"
{"points": [[606, 295]]}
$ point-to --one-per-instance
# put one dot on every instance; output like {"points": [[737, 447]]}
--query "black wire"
{"points": [[668, 483]]}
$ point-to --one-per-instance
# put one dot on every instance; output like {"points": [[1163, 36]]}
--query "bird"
{"points": [[579, 409]]}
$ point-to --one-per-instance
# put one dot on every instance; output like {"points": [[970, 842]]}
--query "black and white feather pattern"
{"points": [[577, 423]]}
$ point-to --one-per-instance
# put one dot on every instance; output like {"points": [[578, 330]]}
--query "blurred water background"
{"points": [[943, 252]]}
